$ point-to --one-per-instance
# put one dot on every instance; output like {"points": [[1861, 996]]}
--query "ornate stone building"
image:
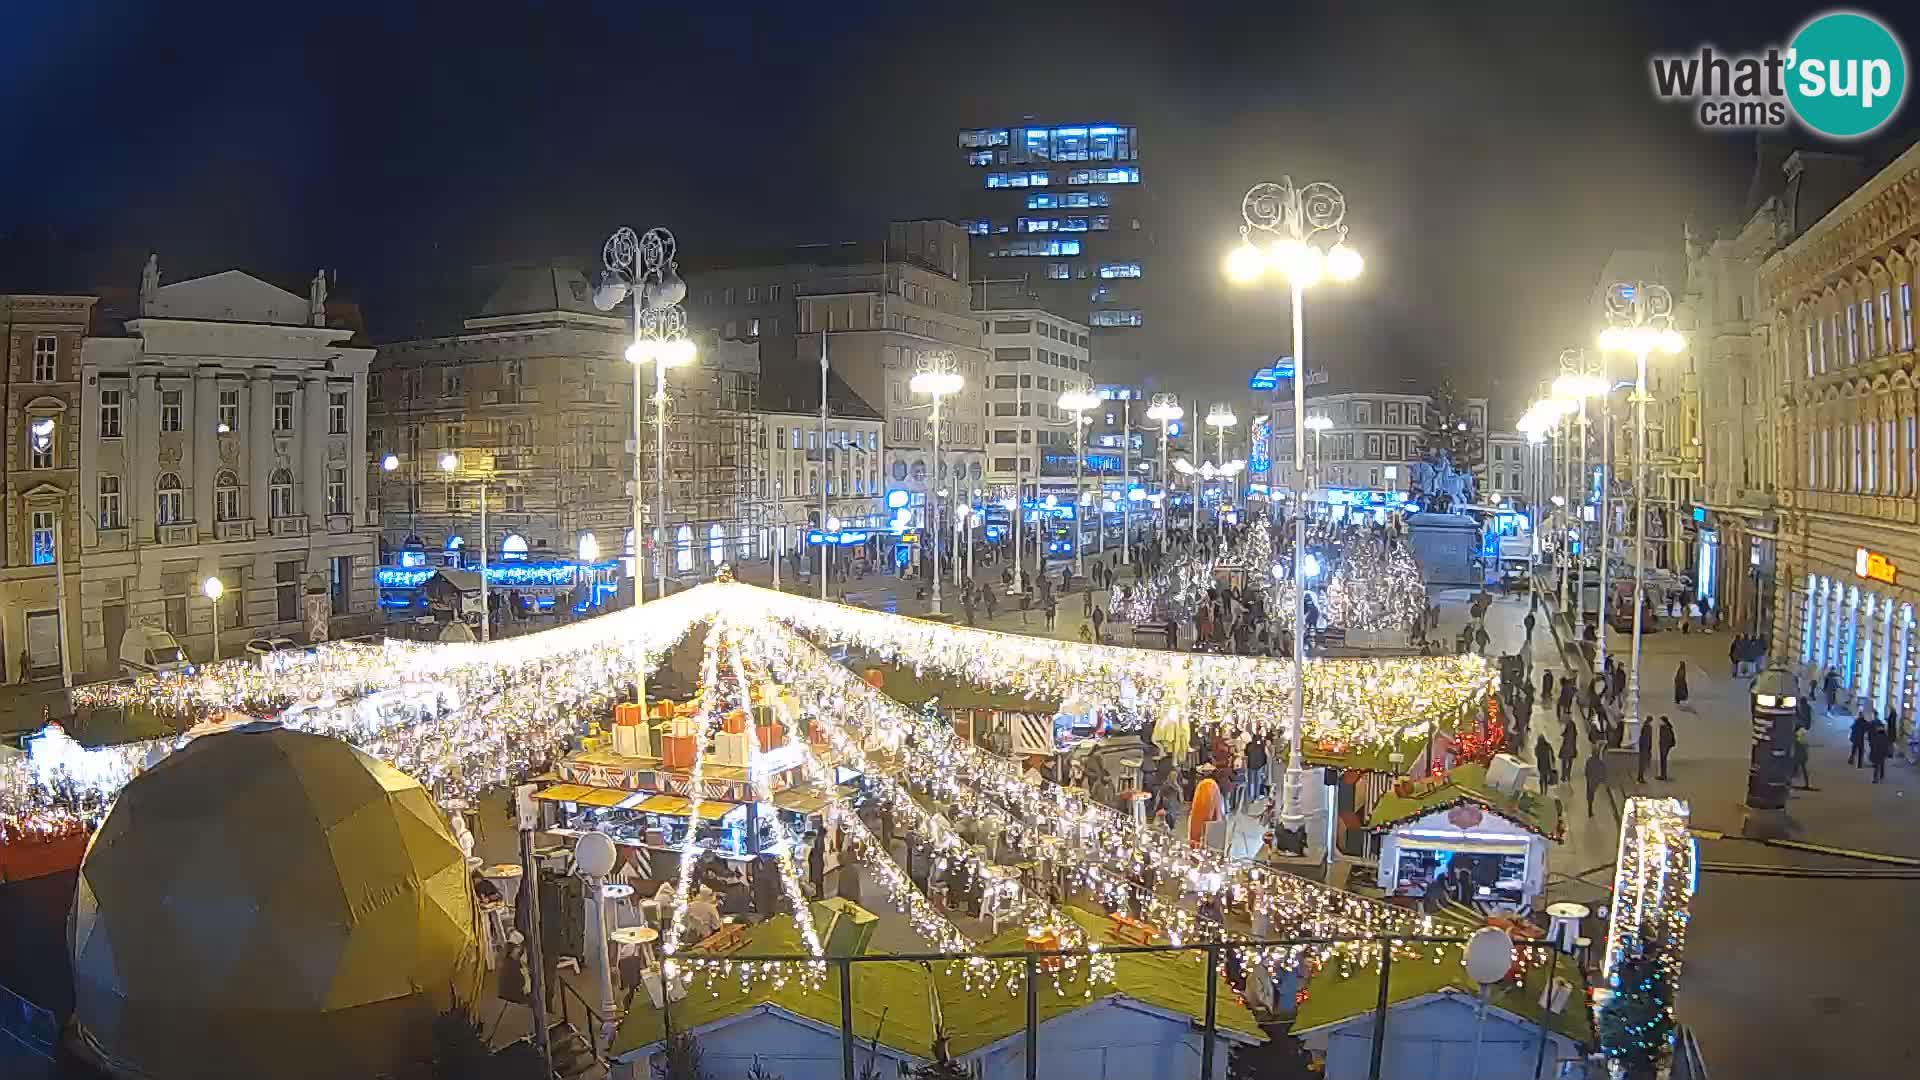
{"points": [[1840, 301], [222, 432]]}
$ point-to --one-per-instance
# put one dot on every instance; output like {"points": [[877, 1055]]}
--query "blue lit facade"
{"points": [[536, 586], [1059, 217]]}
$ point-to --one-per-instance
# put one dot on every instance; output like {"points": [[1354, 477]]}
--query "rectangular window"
{"points": [[1103, 176], [286, 590], [283, 410], [169, 506], [1116, 317], [1809, 335], [109, 414], [1913, 455], [340, 582], [336, 490], [1906, 316], [753, 294], [1060, 271], [337, 412], [773, 294], [108, 502], [170, 410], [40, 442], [42, 537], [1888, 339], [1120, 270], [1820, 335], [229, 412], [1866, 329], [46, 357], [226, 503], [453, 381]]}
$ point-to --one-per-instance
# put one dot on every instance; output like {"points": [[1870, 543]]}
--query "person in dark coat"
{"points": [[1800, 759], [1569, 750], [1857, 741], [1646, 749], [1546, 685], [1619, 682], [1596, 769], [1666, 743], [1736, 655], [1879, 748], [1831, 684], [1543, 760], [1680, 684], [1566, 695]]}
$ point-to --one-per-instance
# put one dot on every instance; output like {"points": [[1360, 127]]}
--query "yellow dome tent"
{"points": [[267, 903]]}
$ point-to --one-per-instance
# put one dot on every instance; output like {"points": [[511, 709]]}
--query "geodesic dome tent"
{"points": [[268, 903]]}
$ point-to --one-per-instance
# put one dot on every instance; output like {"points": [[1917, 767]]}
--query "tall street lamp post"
{"points": [[1220, 418], [1290, 222], [1640, 315], [1166, 410], [937, 379], [450, 464], [1078, 402], [644, 267], [1319, 424], [1572, 391], [213, 589]]}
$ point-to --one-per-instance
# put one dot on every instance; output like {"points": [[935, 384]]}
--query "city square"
{"points": [[1398, 582]]}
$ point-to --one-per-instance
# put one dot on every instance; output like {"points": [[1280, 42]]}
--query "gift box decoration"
{"points": [[631, 737], [770, 735], [677, 751], [730, 748], [734, 722], [662, 709]]}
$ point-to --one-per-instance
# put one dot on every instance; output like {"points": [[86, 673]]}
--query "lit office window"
{"points": [[1120, 270], [1116, 317]]}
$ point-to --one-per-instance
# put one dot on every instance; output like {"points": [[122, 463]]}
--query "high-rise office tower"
{"points": [[1058, 218]]}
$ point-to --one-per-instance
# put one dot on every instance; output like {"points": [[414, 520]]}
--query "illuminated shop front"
{"points": [[1862, 629]]}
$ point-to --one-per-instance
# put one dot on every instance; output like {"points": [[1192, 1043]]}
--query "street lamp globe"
{"points": [[1245, 264], [1671, 341], [449, 462], [213, 589], [833, 524], [389, 463], [1344, 263], [1221, 416], [589, 548], [1076, 401], [936, 383], [1319, 422], [678, 352], [1165, 408]]}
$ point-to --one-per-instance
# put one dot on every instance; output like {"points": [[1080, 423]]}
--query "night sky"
{"points": [[1491, 158]]}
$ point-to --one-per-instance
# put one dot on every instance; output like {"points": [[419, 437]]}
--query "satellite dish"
{"points": [[609, 291], [593, 854], [1488, 956]]}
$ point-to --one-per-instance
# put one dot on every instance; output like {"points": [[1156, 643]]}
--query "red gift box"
{"points": [[770, 735], [677, 751], [734, 722]]}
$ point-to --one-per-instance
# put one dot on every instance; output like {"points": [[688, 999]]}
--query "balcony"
{"points": [[293, 525], [339, 523], [233, 530], [176, 534], [114, 539]]}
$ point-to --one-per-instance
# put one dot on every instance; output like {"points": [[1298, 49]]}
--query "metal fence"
{"points": [[1037, 963]]}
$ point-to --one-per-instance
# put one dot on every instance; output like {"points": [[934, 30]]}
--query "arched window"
{"points": [[280, 493], [516, 436], [226, 496], [513, 548], [716, 545], [169, 500], [683, 557]]}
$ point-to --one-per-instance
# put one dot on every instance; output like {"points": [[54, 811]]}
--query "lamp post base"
{"points": [[1299, 796]]}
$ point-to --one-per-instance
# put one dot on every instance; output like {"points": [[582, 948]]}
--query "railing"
{"points": [[1037, 966], [595, 1020]]}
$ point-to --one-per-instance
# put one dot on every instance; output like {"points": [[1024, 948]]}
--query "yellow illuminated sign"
{"points": [[1873, 566]]}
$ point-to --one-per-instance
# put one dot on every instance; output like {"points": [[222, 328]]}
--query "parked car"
{"points": [[267, 646], [149, 650]]}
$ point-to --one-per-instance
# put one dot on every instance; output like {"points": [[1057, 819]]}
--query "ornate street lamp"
{"points": [[936, 378], [1284, 228], [1165, 409], [1640, 317], [1078, 402]]}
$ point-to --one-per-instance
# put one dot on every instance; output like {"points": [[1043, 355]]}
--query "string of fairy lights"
{"points": [[696, 797], [1176, 589], [1655, 873]]}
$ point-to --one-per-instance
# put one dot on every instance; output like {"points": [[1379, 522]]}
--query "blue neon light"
{"points": [[508, 575], [1258, 460], [1264, 379], [842, 538]]}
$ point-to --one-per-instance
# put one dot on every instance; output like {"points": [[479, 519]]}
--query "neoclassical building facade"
{"points": [[1841, 307]]}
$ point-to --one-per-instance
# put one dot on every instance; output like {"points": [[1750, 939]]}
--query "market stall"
{"points": [[1433, 828]]}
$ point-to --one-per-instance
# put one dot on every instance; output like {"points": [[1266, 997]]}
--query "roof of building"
{"points": [[538, 288], [1334, 997], [795, 388], [890, 1000], [1468, 784]]}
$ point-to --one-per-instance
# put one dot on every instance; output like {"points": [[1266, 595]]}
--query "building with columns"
{"points": [[1840, 306], [222, 433], [40, 340]]}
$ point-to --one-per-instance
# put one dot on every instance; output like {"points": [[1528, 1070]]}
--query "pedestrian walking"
{"points": [[1546, 685], [1666, 743], [1566, 695], [1052, 611], [1879, 748], [1857, 741], [1596, 770], [1735, 649], [1543, 760], [1619, 683], [1832, 686], [1646, 749], [1800, 759], [1569, 751], [1680, 684]]}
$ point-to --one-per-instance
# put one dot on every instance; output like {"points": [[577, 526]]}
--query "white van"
{"points": [[147, 650]]}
